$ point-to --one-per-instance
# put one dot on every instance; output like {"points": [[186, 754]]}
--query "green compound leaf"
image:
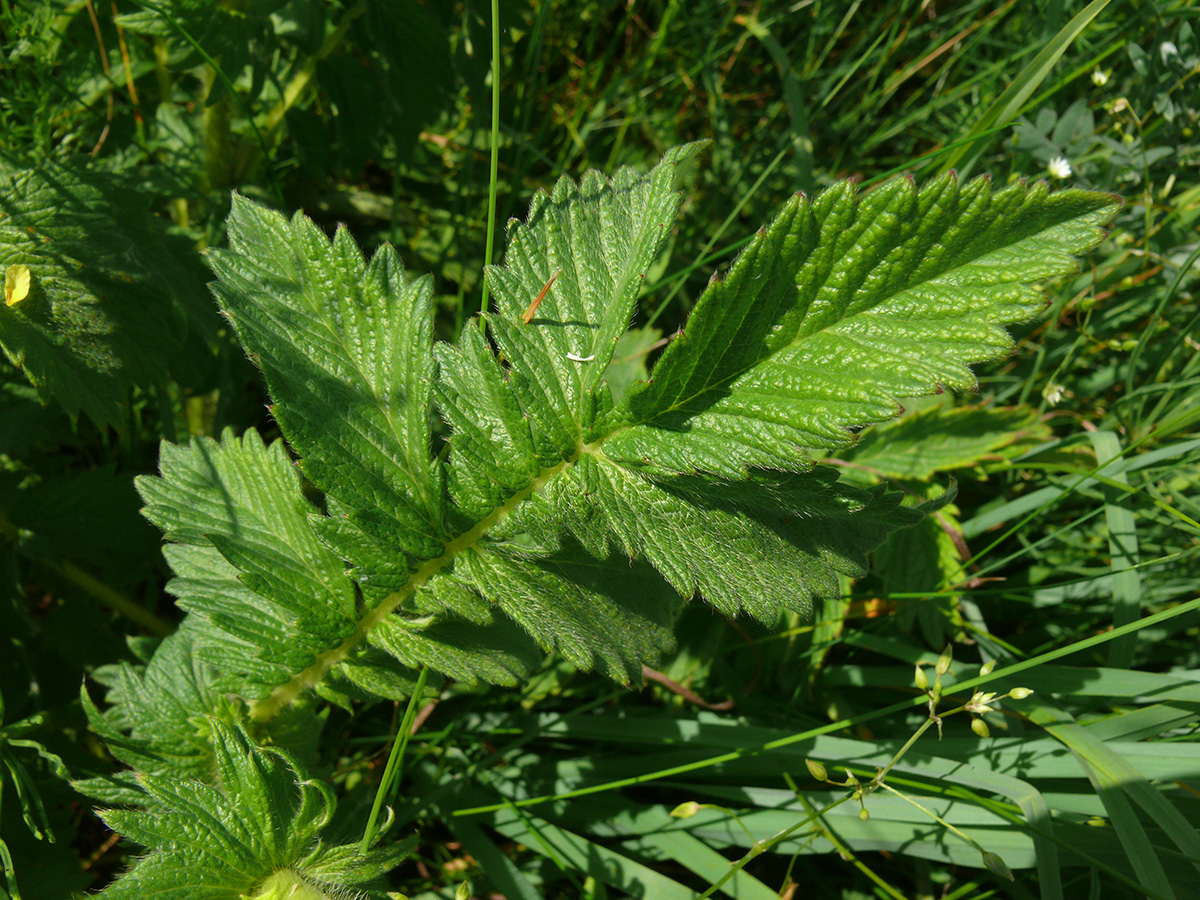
{"points": [[254, 567], [257, 835], [553, 503], [269, 597], [842, 307], [154, 722]]}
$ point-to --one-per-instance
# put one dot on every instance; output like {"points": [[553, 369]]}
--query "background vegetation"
{"points": [[1072, 544]]}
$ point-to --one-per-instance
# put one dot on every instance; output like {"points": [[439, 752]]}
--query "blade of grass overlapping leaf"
{"points": [[1008, 105], [1122, 548]]}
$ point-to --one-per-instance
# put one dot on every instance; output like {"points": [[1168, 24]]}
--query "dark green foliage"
{"points": [[720, 453], [114, 301]]}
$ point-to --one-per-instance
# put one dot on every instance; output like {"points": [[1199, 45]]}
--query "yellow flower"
{"points": [[16, 284]]}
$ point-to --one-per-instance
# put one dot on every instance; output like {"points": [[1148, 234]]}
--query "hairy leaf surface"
{"points": [[260, 828], [843, 306], [553, 503]]}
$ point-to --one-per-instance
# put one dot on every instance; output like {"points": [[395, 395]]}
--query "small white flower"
{"points": [[1166, 50], [1099, 78], [1053, 393], [1059, 167]]}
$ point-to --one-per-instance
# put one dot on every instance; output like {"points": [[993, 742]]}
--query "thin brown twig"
{"points": [[133, 96], [686, 693], [107, 75]]}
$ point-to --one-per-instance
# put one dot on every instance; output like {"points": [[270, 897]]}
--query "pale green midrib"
{"points": [[287, 693]]}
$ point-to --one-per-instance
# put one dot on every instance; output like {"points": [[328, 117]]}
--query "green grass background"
{"points": [[1069, 557]]}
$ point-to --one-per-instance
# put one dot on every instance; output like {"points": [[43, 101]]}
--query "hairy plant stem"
{"points": [[287, 693]]}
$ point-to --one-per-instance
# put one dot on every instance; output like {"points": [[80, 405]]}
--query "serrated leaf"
{"points": [[153, 724], [548, 496], [607, 614], [111, 299], [840, 308], [346, 349], [239, 503], [273, 599], [595, 240], [754, 546], [941, 439], [261, 825]]}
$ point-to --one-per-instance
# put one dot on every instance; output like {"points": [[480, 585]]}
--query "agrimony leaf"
{"points": [[549, 495], [346, 349], [939, 438], [258, 831], [254, 567]]}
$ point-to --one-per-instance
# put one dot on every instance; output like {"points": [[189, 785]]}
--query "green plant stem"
{"points": [[295, 88], [393, 763], [846, 853], [220, 163], [916, 736], [494, 164], [118, 602], [10, 874], [931, 814], [759, 848]]}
